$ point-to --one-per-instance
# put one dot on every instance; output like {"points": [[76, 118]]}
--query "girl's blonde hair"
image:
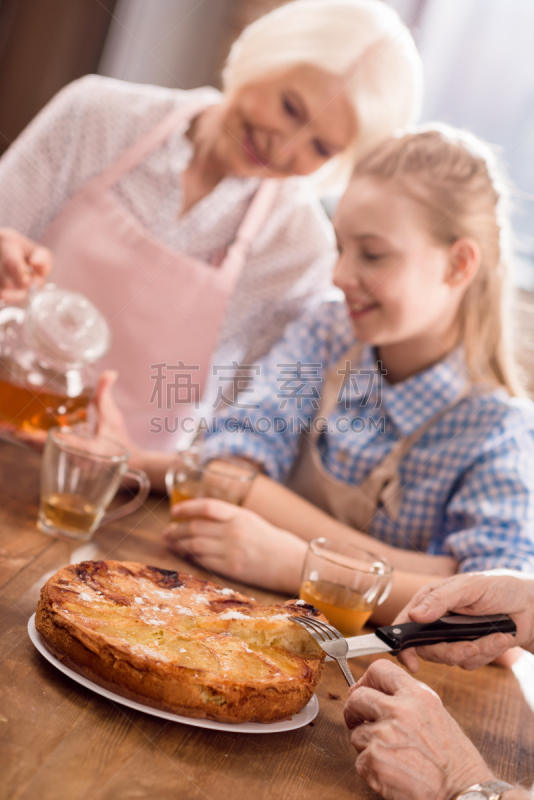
{"points": [[363, 41], [455, 177]]}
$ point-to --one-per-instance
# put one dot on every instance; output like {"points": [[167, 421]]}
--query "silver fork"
{"points": [[332, 642]]}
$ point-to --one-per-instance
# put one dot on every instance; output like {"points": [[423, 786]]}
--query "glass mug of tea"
{"points": [[345, 582], [80, 476], [194, 475]]}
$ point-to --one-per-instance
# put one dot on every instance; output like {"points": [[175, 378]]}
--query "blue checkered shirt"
{"points": [[467, 484]]}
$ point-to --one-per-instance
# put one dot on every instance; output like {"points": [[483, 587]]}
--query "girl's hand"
{"points": [[238, 543], [409, 746], [22, 263], [477, 594]]}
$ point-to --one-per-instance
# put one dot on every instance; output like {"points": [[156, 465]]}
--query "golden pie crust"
{"points": [[179, 643]]}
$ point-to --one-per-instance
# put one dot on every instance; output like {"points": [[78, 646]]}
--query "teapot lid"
{"points": [[66, 325]]}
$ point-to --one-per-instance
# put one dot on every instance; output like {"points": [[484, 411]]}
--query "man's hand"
{"points": [[23, 263], [409, 747], [500, 592], [238, 543]]}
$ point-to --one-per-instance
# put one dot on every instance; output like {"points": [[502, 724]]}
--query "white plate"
{"points": [[304, 717]]}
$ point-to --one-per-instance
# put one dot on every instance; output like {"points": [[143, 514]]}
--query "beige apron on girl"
{"points": [[162, 306], [354, 505]]}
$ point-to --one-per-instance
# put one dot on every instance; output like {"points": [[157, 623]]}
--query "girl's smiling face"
{"points": [[401, 285]]}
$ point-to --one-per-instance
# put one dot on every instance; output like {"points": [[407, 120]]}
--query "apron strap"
{"points": [[383, 484], [134, 154], [333, 385], [253, 221], [256, 214]]}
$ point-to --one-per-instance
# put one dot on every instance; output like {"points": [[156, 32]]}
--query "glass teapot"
{"points": [[47, 350]]}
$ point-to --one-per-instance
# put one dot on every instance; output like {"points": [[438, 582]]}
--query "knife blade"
{"points": [[454, 628]]}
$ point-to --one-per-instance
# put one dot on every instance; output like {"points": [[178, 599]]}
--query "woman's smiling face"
{"points": [[290, 123]]}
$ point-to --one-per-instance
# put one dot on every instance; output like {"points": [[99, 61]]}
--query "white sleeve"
{"points": [[73, 138]]}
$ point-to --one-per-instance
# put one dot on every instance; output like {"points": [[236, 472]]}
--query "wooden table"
{"points": [[59, 741]]}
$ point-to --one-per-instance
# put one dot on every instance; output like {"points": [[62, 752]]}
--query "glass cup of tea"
{"points": [[80, 476], [193, 475], [345, 582]]}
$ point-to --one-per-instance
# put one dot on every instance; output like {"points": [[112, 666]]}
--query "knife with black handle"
{"points": [[454, 628]]}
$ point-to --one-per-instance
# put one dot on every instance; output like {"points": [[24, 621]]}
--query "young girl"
{"points": [[392, 417]]}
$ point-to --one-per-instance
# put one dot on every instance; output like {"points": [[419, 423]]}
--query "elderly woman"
{"points": [[185, 215]]}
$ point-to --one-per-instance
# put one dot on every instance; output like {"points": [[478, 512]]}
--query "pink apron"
{"points": [[163, 307]]}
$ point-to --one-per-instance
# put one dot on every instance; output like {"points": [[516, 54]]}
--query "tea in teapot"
{"points": [[47, 349]]}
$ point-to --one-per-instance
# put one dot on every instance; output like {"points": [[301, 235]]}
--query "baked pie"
{"points": [[179, 643]]}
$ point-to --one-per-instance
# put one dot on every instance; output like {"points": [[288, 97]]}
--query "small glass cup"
{"points": [[80, 476], [225, 477], [345, 582]]}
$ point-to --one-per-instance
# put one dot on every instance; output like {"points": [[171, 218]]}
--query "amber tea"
{"points": [[225, 479], [187, 490], [33, 410], [80, 474], [345, 582], [69, 512], [344, 608]]}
